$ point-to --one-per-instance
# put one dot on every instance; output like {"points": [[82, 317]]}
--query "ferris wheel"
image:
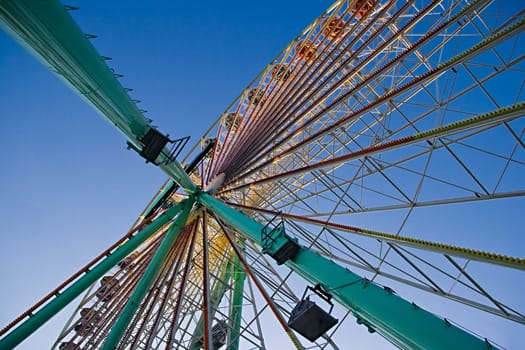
{"points": [[345, 180]]}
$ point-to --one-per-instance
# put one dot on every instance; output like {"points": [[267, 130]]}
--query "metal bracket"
{"points": [[277, 243], [321, 293], [154, 142]]}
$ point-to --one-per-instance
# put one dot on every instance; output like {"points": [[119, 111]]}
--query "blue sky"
{"points": [[69, 187]]}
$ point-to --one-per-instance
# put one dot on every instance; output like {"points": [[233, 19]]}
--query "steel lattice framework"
{"points": [[380, 116]]}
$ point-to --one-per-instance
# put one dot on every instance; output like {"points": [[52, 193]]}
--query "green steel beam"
{"points": [[19, 334], [179, 175], [239, 278], [219, 289], [151, 272], [404, 324], [47, 30]]}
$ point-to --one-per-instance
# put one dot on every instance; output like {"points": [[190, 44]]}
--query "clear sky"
{"points": [[68, 186]]}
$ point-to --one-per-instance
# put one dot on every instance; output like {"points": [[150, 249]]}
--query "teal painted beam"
{"points": [[151, 272], [49, 32], [402, 323], [179, 175], [218, 291], [239, 278], [25, 329]]}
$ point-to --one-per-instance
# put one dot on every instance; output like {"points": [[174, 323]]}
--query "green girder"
{"points": [[47, 30], [24, 330], [220, 287], [151, 272], [239, 278], [404, 324]]}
